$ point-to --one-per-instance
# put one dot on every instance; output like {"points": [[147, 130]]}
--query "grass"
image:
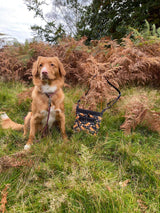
{"points": [[109, 172]]}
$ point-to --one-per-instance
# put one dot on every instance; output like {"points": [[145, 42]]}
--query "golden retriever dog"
{"points": [[47, 100]]}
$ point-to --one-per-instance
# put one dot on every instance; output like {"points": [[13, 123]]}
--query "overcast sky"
{"points": [[15, 19]]}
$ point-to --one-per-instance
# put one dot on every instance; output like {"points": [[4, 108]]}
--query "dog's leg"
{"points": [[61, 119], [27, 123], [32, 133]]}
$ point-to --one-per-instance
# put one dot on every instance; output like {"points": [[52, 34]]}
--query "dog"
{"points": [[47, 100]]}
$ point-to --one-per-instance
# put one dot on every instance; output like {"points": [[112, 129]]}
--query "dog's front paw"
{"points": [[58, 111], [3, 116], [27, 147]]}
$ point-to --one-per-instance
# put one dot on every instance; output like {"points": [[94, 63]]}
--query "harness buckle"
{"points": [[49, 101]]}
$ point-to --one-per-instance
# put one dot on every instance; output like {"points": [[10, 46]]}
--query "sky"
{"points": [[16, 19]]}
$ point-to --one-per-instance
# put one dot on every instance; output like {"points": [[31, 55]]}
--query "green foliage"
{"points": [[36, 6], [149, 33], [94, 19], [87, 174], [112, 18], [58, 23], [50, 31]]}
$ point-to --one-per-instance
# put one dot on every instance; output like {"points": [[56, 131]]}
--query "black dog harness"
{"points": [[90, 120]]}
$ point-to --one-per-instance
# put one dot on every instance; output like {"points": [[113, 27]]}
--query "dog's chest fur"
{"points": [[48, 89], [52, 116]]}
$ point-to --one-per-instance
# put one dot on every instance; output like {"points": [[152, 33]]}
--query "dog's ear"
{"points": [[62, 71], [35, 67]]}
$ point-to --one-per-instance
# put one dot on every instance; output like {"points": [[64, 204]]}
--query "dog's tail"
{"points": [[7, 123]]}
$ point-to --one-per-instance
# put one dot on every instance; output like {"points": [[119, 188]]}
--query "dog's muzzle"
{"points": [[44, 75]]}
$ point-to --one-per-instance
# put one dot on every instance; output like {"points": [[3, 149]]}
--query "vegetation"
{"points": [[93, 19], [113, 18], [109, 172], [129, 63], [6, 40], [60, 21]]}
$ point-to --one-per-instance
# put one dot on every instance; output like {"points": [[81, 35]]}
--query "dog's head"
{"points": [[47, 69]]}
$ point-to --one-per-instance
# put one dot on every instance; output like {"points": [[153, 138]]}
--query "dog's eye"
{"points": [[40, 65], [52, 65]]}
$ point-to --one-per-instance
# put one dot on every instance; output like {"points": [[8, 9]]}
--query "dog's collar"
{"points": [[49, 95]]}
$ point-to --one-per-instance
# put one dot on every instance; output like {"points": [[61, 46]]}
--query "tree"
{"points": [[113, 17], [92, 18], [60, 21]]}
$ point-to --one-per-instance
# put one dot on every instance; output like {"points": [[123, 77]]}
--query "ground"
{"points": [[110, 172]]}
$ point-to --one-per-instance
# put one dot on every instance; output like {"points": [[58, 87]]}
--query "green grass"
{"points": [[82, 175]]}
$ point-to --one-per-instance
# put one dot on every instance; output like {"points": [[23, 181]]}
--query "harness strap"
{"points": [[109, 104], [45, 129]]}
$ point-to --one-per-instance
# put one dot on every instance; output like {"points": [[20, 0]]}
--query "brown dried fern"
{"points": [[16, 160], [137, 111], [3, 202]]}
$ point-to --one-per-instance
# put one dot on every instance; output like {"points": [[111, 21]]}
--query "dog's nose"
{"points": [[44, 71]]}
